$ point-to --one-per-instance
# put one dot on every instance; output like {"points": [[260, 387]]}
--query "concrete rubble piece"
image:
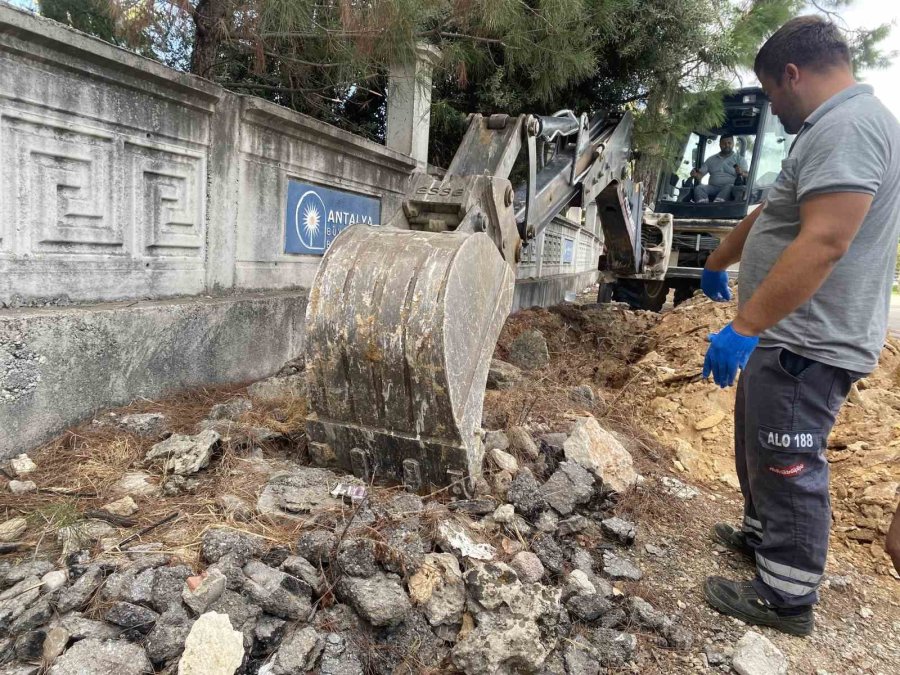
{"points": [[601, 453], [754, 654], [213, 647], [184, 455]]}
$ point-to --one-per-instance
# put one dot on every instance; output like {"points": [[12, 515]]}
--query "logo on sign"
{"points": [[315, 215], [309, 219]]}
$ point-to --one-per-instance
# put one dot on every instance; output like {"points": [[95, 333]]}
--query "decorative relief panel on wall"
{"points": [[58, 187], [588, 250], [166, 188], [73, 190], [552, 247]]}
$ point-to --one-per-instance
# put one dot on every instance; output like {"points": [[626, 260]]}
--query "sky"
{"points": [[870, 14]]}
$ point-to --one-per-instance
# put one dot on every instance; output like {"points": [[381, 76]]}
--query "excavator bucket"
{"points": [[401, 325]]}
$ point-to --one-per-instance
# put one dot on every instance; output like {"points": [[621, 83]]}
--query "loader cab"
{"points": [[698, 227], [759, 140]]}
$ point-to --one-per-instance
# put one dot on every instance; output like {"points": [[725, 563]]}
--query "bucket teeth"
{"points": [[401, 326]]}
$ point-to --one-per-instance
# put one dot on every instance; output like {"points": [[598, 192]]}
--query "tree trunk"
{"points": [[209, 22]]}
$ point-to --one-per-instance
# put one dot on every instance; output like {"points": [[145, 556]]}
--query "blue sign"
{"points": [[568, 251], [315, 215]]}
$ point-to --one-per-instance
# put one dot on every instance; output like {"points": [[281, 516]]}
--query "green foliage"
{"points": [[866, 48], [157, 29], [94, 17], [680, 87], [668, 60]]}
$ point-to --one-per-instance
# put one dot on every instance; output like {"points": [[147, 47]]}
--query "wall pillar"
{"points": [[409, 105]]}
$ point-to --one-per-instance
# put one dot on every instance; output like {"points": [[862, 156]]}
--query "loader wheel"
{"points": [[648, 295], [685, 291]]}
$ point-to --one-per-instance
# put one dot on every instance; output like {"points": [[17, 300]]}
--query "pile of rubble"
{"points": [[533, 574], [207, 544], [644, 370]]}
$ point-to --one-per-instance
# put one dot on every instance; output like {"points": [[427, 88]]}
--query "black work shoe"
{"points": [[739, 599], [734, 539]]}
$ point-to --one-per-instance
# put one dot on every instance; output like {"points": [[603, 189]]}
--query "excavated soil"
{"points": [[638, 374], [645, 369], [694, 420]]}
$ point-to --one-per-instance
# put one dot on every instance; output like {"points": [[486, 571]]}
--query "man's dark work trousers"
{"points": [[785, 407]]}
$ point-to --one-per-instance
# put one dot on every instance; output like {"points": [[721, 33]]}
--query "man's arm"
{"points": [[700, 172], [730, 249], [828, 224]]}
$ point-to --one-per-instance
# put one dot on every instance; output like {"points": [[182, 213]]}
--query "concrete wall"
{"points": [[277, 145], [562, 259], [120, 178], [59, 365], [548, 291]]}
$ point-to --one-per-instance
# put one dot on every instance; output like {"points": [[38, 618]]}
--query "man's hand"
{"points": [[892, 545], [696, 174], [715, 285], [728, 351]]}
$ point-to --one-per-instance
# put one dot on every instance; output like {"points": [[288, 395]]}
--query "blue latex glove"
{"points": [[728, 351], [715, 285]]}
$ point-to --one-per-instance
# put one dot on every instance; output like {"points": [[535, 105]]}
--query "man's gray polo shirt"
{"points": [[721, 169], [851, 143]]}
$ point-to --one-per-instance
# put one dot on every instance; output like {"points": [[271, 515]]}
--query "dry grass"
{"points": [[77, 470], [596, 347]]}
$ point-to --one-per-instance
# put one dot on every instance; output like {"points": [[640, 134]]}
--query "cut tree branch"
{"points": [[474, 38]]}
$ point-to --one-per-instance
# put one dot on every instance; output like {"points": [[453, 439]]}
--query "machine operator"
{"points": [[723, 169]]}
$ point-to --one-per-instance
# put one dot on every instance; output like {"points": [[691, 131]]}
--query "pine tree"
{"points": [[667, 60]]}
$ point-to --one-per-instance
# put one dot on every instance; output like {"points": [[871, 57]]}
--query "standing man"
{"points": [[723, 170], [817, 264]]}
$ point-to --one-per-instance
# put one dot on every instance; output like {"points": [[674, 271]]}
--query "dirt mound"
{"points": [[643, 371], [694, 420], [646, 370], [588, 345]]}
